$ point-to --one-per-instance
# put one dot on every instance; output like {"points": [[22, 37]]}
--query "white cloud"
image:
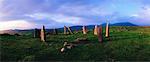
{"points": [[143, 13], [85, 10], [53, 12], [16, 24], [66, 19], [60, 18], [143, 17]]}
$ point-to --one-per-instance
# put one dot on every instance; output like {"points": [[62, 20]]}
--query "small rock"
{"points": [[62, 49], [70, 46], [65, 43]]}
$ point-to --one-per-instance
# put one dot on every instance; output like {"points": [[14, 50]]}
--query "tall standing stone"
{"points": [[65, 30], [100, 36], [107, 30], [84, 30], [36, 33], [43, 35], [95, 30]]}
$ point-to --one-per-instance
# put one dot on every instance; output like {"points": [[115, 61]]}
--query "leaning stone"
{"points": [[70, 31]]}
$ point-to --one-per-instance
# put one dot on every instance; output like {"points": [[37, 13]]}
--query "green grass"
{"points": [[125, 44]]}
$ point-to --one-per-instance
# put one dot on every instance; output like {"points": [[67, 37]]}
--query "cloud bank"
{"points": [[57, 13]]}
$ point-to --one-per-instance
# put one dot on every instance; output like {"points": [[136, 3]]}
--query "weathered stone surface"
{"points": [[62, 49], [43, 35], [77, 42], [65, 43], [95, 30], [36, 33], [66, 47], [84, 30], [70, 31], [107, 30], [65, 30], [100, 36]]}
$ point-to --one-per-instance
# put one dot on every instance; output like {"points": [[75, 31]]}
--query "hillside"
{"points": [[125, 44]]}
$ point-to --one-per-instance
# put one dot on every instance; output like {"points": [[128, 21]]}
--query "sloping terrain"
{"points": [[125, 44]]}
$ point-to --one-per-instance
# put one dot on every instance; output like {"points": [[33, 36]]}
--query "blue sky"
{"points": [[27, 14]]}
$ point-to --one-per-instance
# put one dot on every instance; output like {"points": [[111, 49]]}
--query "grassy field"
{"points": [[125, 44]]}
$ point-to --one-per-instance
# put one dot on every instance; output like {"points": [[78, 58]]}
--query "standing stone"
{"points": [[36, 33], [100, 36], [70, 31], [65, 30], [107, 30], [55, 31], [43, 35], [95, 30], [84, 30]]}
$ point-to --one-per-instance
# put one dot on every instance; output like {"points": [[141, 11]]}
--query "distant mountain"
{"points": [[12, 32], [8, 31], [74, 28], [123, 24], [92, 26]]}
